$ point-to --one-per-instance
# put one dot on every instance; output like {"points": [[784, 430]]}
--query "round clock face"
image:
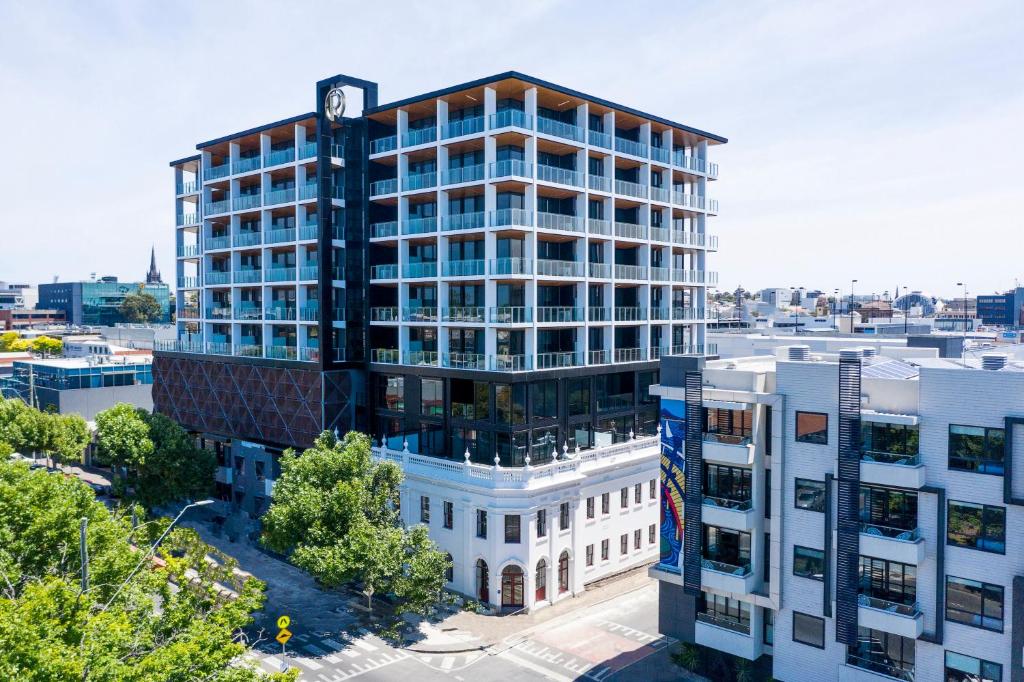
{"points": [[334, 104]]}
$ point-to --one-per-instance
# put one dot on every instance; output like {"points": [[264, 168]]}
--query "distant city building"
{"points": [[916, 299], [12, 319], [1002, 309], [98, 302], [12, 295], [85, 386]]}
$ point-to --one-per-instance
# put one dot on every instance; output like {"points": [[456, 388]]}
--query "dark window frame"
{"points": [[809, 555], [564, 520], [986, 509], [481, 524], [816, 485], [448, 510], [983, 588], [973, 465], [818, 621], [811, 437], [513, 529], [542, 523]]}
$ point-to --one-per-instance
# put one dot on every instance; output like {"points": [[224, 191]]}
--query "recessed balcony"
{"points": [[279, 157], [630, 355], [729, 513], [414, 138], [418, 181], [511, 118], [419, 270], [598, 139], [466, 126], [897, 544], [419, 225], [560, 222], [726, 577], [455, 176], [559, 268], [567, 131], [630, 189], [631, 147], [382, 187], [560, 176], [472, 314], [630, 314], [905, 620], [383, 145], [384, 314], [633, 272], [724, 448], [511, 315], [630, 230], [279, 196], [386, 271], [728, 635], [463, 221], [559, 359], [511, 168], [419, 314], [384, 229], [279, 235], [511, 363], [463, 268], [888, 469], [559, 314], [464, 360], [516, 266]]}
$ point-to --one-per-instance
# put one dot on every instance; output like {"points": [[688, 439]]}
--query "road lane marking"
{"points": [[540, 670]]}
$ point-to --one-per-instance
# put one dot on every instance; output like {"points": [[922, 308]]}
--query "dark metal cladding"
{"points": [[848, 507], [692, 497]]}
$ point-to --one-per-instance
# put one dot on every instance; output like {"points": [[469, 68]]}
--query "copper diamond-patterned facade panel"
{"points": [[278, 405]]}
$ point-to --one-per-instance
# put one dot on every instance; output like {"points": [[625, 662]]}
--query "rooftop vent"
{"points": [[799, 353], [993, 361], [850, 354], [869, 351]]}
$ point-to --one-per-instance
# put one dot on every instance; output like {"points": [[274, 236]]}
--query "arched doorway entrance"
{"points": [[512, 587], [483, 579], [563, 573], [542, 581]]}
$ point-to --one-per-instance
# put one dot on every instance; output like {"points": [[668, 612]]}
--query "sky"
{"points": [[875, 141]]}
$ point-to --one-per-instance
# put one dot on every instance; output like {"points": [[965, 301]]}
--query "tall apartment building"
{"points": [[98, 302], [848, 516], [484, 277]]}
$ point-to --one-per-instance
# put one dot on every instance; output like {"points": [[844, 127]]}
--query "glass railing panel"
{"points": [[630, 230], [276, 158], [659, 154], [389, 186], [275, 236], [465, 360], [471, 313], [387, 271], [309, 272], [558, 221], [599, 183], [419, 225], [511, 266], [562, 176], [248, 164], [385, 229], [559, 268], [384, 144], [464, 221], [511, 168], [599, 270], [555, 128], [559, 359], [630, 354], [511, 118], [280, 196], [511, 314], [420, 357], [384, 314], [413, 270], [463, 268], [419, 181], [248, 276], [631, 272], [467, 126], [598, 139], [511, 217], [630, 314], [559, 314], [511, 363], [279, 274], [630, 189], [187, 219], [630, 147], [214, 243], [454, 176], [420, 136]]}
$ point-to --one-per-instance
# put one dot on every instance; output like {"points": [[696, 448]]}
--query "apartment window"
{"points": [[724, 612], [432, 397], [809, 630], [883, 652], [424, 509], [976, 449], [767, 493], [977, 526], [652, 492], [890, 581], [637, 537], [604, 550], [812, 427], [652, 533], [449, 569], [260, 475], [962, 668], [481, 523], [624, 544], [606, 503], [563, 516], [808, 563], [449, 513], [590, 555], [590, 507], [768, 627], [810, 495], [391, 392], [542, 523], [545, 399], [624, 498], [512, 533], [888, 511], [974, 603]]}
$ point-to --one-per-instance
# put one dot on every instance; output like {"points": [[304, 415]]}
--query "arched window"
{"points": [[512, 587], [542, 581], [563, 572], [482, 581], [449, 569]]}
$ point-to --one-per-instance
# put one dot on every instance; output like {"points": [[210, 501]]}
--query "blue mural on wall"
{"points": [[673, 434]]}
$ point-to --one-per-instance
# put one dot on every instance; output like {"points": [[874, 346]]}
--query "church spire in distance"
{"points": [[153, 276]]}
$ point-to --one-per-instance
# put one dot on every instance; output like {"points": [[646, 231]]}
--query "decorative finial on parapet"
{"points": [[405, 447], [632, 436], [554, 453], [526, 461], [466, 456], [576, 450], [565, 449], [659, 430], [497, 461]]}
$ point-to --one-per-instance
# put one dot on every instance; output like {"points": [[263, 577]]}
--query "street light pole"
{"points": [[963, 349], [835, 305], [152, 549], [852, 282]]}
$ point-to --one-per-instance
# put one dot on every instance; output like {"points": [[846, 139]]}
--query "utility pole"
{"points": [[84, 552], [852, 282]]}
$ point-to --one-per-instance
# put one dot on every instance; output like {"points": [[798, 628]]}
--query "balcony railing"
{"points": [[599, 314], [281, 352], [219, 313], [424, 269], [631, 272], [559, 359], [276, 158], [630, 147], [567, 131], [463, 268], [511, 266], [723, 567], [659, 274], [599, 139], [309, 272], [463, 313], [386, 229], [694, 349], [728, 503], [721, 621], [510, 168], [660, 154], [419, 314], [454, 176], [511, 315], [419, 225], [630, 314], [419, 181], [880, 666], [599, 183], [388, 186], [559, 314], [901, 534], [307, 232], [559, 268], [911, 610], [280, 313], [384, 314], [215, 172], [467, 126], [188, 251], [725, 438], [598, 357], [465, 360], [246, 202], [308, 191], [248, 164], [464, 221], [599, 270], [188, 313], [188, 282], [248, 238], [890, 458], [558, 221], [630, 189], [384, 144], [562, 176], [420, 357], [307, 150], [630, 230], [279, 274], [420, 136], [598, 226], [214, 243], [215, 207], [217, 277], [511, 118], [189, 187], [280, 196], [278, 235], [187, 219], [511, 363], [386, 271], [249, 311], [248, 276], [249, 351], [388, 356], [660, 313], [688, 200], [510, 217], [659, 194], [630, 354]]}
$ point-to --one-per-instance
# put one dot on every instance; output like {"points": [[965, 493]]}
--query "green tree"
{"points": [[180, 618], [26, 429], [46, 345], [140, 306], [11, 342], [334, 510], [158, 458]]}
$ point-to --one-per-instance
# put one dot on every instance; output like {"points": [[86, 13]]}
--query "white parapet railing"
{"points": [[569, 464]]}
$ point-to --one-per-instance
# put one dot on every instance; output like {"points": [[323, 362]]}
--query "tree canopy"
{"points": [[160, 458], [11, 342], [179, 618], [335, 511], [26, 429], [140, 306]]}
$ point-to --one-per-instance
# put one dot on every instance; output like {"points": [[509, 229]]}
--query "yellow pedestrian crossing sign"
{"points": [[283, 636], [283, 622]]}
